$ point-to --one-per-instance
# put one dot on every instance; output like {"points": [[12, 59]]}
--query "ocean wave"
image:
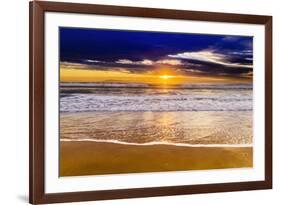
{"points": [[156, 143], [91, 102], [143, 85]]}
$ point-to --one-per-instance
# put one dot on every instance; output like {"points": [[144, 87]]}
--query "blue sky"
{"points": [[141, 51]]}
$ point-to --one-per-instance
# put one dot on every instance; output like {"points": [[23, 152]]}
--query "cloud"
{"points": [[231, 38], [170, 62], [92, 61], [203, 62], [130, 62], [194, 71], [249, 59], [147, 62], [249, 74], [243, 53], [71, 65], [209, 56]]}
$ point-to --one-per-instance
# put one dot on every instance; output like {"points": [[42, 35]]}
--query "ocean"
{"points": [[186, 115]]}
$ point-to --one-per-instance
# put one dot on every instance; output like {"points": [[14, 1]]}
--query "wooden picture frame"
{"points": [[37, 194]]}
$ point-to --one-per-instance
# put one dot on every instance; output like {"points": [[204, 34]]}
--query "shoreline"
{"points": [[97, 158], [157, 143]]}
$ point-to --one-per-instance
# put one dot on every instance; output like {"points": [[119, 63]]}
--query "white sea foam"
{"points": [[157, 143], [179, 100]]}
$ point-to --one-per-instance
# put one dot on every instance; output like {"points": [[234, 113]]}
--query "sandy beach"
{"points": [[94, 158]]}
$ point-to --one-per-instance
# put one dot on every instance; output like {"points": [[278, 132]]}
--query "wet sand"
{"points": [[96, 158], [186, 127]]}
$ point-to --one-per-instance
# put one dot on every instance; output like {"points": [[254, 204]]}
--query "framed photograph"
{"points": [[138, 102]]}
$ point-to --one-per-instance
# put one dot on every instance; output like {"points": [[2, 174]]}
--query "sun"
{"points": [[166, 77]]}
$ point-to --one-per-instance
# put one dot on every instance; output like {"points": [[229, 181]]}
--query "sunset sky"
{"points": [[93, 55]]}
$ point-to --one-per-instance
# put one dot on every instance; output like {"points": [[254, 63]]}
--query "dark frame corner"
{"points": [[37, 193]]}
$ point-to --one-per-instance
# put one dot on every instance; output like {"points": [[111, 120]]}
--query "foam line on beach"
{"points": [[157, 143]]}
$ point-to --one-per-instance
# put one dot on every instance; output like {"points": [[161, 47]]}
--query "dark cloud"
{"points": [[139, 51]]}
